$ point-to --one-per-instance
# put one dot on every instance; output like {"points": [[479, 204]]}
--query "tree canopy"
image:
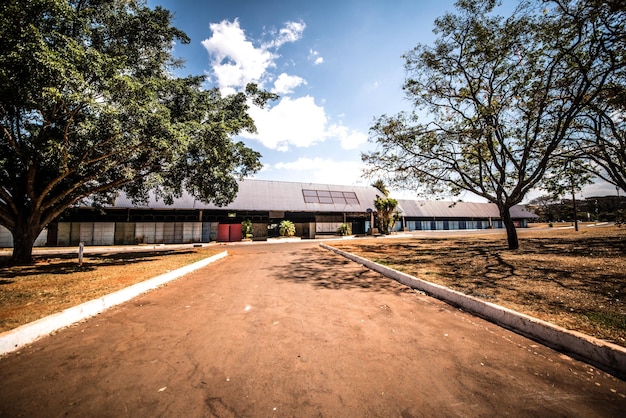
{"points": [[498, 96], [385, 208], [567, 174], [89, 107], [603, 139]]}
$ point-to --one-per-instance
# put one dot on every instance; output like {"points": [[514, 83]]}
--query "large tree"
{"points": [[498, 96], [603, 136], [89, 107], [567, 174]]}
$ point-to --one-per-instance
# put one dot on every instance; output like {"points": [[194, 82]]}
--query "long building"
{"points": [[439, 215], [315, 209]]}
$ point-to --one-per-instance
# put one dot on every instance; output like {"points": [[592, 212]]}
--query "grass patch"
{"points": [[609, 320], [56, 282], [576, 280]]}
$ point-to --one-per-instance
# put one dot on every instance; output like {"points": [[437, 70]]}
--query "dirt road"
{"points": [[293, 330]]}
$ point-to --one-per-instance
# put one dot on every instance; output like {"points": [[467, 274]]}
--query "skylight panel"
{"points": [[330, 197]]}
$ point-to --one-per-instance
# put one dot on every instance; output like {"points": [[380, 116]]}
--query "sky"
{"points": [[336, 65]]}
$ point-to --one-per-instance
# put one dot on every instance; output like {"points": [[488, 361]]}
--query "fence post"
{"points": [[81, 249]]}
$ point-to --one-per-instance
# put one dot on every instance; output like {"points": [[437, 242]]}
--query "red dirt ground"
{"points": [[294, 330]]}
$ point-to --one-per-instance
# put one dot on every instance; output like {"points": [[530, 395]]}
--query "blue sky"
{"points": [[335, 64]]}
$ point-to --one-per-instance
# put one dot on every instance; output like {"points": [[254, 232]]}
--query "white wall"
{"points": [[6, 238]]}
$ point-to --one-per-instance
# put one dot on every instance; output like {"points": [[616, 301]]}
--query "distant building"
{"points": [[438, 215], [315, 209]]}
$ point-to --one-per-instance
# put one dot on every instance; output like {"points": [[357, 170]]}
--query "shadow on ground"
{"points": [[576, 282], [67, 263], [326, 270]]}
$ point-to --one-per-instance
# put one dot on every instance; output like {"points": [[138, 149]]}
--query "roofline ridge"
{"points": [[306, 183]]}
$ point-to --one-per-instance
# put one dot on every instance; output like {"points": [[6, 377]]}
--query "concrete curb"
{"points": [[29, 333], [606, 356]]}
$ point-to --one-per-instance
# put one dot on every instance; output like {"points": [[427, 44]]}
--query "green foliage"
{"points": [[286, 229], [604, 135], [543, 206], [566, 175], [607, 319], [385, 208], [246, 228], [501, 96], [88, 108], [344, 230], [380, 185]]}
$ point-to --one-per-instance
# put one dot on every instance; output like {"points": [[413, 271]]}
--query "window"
{"points": [[330, 197], [310, 196]]}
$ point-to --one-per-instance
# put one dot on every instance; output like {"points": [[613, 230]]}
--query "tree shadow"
{"points": [[480, 267], [324, 269], [607, 246], [68, 263]]}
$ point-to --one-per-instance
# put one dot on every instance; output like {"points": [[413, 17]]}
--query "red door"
{"points": [[235, 232], [229, 233], [223, 232]]}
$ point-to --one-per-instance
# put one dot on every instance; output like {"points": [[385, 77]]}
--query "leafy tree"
{"points": [[567, 175], [500, 95], [385, 208], [603, 136], [88, 107], [543, 206], [603, 125]]}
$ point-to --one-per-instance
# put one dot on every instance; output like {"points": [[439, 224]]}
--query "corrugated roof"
{"points": [[265, 195], [441, 209]]}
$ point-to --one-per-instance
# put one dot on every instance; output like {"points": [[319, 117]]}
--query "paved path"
{"points": [[294, 330]]}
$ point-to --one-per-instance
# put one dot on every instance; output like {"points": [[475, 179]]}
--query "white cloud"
{"points": [[321, 170], [292, 32], [600, 188], [292, 122], [285, 83], [349, 138], [314, 56], [300, 123], [235, 61]]}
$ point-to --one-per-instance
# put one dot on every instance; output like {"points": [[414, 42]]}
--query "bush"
{"points": [[286, 229], [246, 228], [344, 229]]}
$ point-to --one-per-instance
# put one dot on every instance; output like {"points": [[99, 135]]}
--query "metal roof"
{"points": [[441, 209], [264, 195]]}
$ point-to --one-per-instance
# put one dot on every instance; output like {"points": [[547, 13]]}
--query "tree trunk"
{"points": [[575, 210], [24, 237], [511, 232]]}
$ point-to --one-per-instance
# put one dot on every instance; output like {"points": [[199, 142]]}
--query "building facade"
{"points": [[315, 209]]}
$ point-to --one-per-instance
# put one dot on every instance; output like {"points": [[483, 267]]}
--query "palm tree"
{"points": [[380, 185], [385, 209]]}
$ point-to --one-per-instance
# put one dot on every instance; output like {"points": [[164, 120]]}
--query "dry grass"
{"points": [[56, 282], [576, 280]]}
